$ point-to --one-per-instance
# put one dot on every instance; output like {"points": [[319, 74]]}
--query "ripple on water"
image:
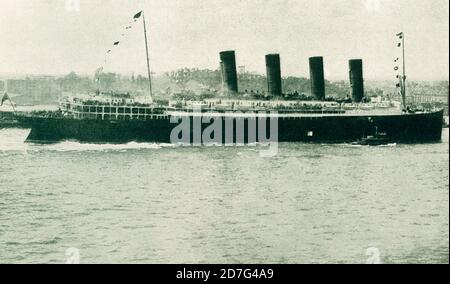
{"points": [[157, 203]]}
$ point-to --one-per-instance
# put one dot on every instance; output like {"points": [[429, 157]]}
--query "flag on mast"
{"points": [[137, 16]]}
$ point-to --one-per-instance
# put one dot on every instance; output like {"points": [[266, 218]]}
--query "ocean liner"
{"points": [[122, 118]]}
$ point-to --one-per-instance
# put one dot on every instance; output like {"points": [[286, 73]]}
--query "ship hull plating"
{"points": [[420, 127]]}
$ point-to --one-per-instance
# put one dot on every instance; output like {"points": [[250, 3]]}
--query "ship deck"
{"points": [[355, 113]]}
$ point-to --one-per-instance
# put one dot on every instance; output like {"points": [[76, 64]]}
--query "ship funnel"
{"points": [[317, 77], [273, 71], [356, 79], [228, 69]]}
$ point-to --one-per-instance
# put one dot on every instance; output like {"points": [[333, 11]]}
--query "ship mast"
{"points": [[404, 74], [403, 78], [148, 60]]}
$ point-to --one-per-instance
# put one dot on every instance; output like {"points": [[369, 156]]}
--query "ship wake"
{"points": [[78, 146]]}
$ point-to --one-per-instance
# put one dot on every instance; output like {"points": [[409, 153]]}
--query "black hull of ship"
{"points": [[408, 128], [8, 120]]}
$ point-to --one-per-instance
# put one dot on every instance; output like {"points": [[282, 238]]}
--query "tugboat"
{"points": [[378, 139]]}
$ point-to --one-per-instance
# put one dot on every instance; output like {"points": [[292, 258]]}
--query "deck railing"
{"points": [[129, 112]]}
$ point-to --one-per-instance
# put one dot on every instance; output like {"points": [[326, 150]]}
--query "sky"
{"points": [[55, 37]]}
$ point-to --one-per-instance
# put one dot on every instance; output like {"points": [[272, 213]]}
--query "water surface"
{"points": [[152, 203]]}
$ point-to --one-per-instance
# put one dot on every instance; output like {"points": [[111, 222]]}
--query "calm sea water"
{"points": [[150, 203]]}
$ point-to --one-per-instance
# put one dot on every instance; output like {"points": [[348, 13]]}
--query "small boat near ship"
{"points": [[378, 139]]}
